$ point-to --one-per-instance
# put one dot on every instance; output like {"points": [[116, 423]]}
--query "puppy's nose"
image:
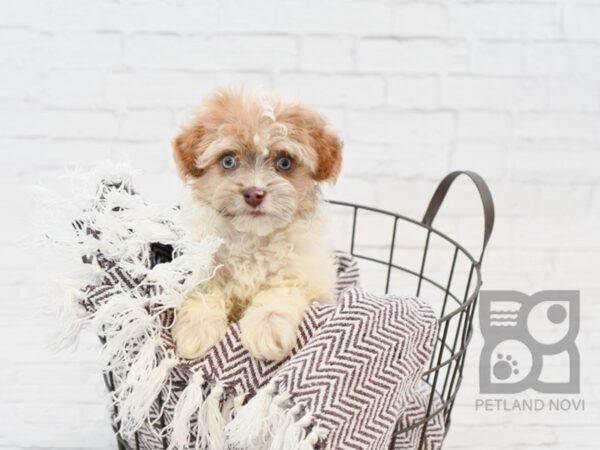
{"points": [[254, 196]]}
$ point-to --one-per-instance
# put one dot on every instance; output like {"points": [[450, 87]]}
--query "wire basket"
{"points": [[452, 291], [417, 259]]}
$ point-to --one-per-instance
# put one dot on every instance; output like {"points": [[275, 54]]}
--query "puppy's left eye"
{"points": [[228, 162], [284, 163]]}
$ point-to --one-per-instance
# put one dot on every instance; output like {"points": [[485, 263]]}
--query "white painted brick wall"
{"points": [[509, 88]]}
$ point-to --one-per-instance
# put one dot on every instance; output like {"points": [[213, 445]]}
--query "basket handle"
{"points": [[486, 199]]}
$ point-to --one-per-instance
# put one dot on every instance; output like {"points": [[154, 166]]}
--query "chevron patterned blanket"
{"points": [[351, 382]]}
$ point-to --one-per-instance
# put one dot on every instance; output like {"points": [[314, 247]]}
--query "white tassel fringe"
{"points": [[211, 422], [130, 323], [135, 404], [271, 421], [189, 403]]}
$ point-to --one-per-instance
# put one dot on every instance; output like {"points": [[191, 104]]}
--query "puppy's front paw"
{"points": [[196, 329], [268, 334]]}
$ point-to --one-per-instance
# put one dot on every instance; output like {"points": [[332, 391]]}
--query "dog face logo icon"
{"points": [[529, 342]]}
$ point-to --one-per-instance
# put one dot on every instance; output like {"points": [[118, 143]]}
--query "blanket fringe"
{"points": [[143, 364], [311, 440], [272, 421], [190, 401], [247, 429], [135, 403], [71, 317], [121, 341], [287, 429], [211, 422]]}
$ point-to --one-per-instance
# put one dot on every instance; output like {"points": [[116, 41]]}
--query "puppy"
{"points": [[254, 165]]}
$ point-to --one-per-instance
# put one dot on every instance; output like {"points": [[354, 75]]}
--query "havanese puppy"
{"points": [[254, 164]]}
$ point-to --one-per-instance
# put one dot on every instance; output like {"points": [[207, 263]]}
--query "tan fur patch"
{"points": [[185, 150]]}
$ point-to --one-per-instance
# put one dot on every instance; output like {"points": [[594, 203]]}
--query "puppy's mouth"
{"points": [[256, 213]]}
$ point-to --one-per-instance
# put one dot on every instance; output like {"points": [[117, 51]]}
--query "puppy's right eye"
{"points": [[228, 162]]}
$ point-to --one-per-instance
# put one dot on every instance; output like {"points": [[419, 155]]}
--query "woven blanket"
{"points": [[351, 381]]}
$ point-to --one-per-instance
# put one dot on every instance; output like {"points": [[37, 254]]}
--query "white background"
{"points": [[508, 88]]}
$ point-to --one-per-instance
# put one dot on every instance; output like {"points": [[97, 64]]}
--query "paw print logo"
{"points": [[522, 333], [505, 367]]}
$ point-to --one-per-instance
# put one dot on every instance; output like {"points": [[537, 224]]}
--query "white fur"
{"points": [[276, 277]]}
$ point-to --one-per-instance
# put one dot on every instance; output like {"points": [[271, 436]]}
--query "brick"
{"points": [[574, 94], [516, 199], [555, 233], [421, 128], [146, 125], [325, 17], [60, 425], [77, 150], [152, 51], [502, 261], [326, 53], [391, 161], [493, 93], [577, 436], [83, 15], [559, 126], [31, 13], [21, 121], [340, 90], [595, 206], [152, 158], [239, 52], [82, 51], [73, 88], [497, 58], [458, 60], [408, 197], [562, 59], [420, 19], [19, 84], [163, 188], [496, 127], [504, 20], [489, 159], [18, 48], [555, 162], [565, 201], [79, 124], [185, 16], [577, 262], [68, 386], [416, 92], [20, 158], [581, 20], [405, 56], [155, 89], [251, 80], [244, 16], [351, 190]]}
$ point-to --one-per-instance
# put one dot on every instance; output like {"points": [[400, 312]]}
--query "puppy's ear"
{"points": [[185, 151], [326, 143], [329, 152]]}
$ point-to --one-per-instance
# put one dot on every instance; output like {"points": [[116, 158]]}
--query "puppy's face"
{"points": [[257, 161]]}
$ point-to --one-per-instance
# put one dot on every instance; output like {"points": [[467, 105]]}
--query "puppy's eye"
{"points": [[284, 163], [228, 162]]}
